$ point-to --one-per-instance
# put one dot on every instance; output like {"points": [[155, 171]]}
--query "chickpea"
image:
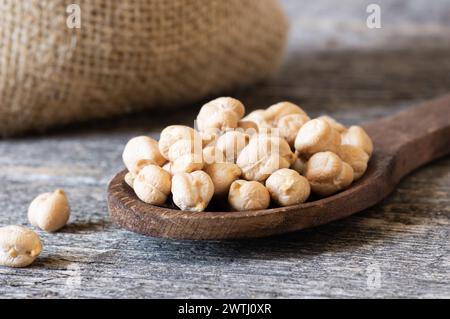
{"points": [[328, 174], [231, 144], [333, 123], [184, 147], [256, 114], [152, 185], [192, 191], [289, 125], [141, 151], [299, 165], [187, 164], [222, 113], [358, 137], [275, 112], [210, 136], [171, 134], [244, 196], [49, 211], [185, 156], [211, 154], [257, 117], [129, 179], [19, 246], [317, 136], [287, 187], [222, 176], [167, 167], [248, 127], [356, 158], [263, 156]]}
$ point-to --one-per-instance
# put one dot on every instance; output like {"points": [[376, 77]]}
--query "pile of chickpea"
{"points": [[278, 155]]}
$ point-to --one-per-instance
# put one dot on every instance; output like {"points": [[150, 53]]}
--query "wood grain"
{"points": [[404, 239]]}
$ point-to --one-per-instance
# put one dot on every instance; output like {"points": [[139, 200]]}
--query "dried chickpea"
{"points": [[222, 113], [19, 246], [222, 176], [287, 187], [187, 164], [299, 165], [49, 211], [328, 174], [245, 195], [231, 144], [211, 154], [263, 156], [171, 134], [275, 112], [210, 136], [141, 151], [168, 167], [333, 123], [317, 136], [289, 125], [256, 114], [152, 185], [264, 131], [248, 127], [358, 137], [186, 156], [129, 179], [184, 147], [192, 191], [257, 117], [356, 158]]}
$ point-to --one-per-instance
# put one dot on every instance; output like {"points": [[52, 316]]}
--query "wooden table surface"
{"points": [[399, 248]]}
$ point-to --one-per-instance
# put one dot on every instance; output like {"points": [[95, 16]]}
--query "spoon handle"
{"points": [[413, 137]]}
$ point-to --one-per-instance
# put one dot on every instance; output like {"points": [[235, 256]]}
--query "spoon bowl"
{"points": [[402, 143]]}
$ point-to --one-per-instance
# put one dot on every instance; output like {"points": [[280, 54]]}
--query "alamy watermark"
{"points": [[373, 273], [374, 19], [73, 20], [74, 279]]}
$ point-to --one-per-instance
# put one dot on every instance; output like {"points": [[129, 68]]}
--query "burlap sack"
{"points": [[128, 55]]}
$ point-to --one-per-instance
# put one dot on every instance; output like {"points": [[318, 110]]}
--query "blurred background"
{"points": [[333, 64], [328, 25], [333, 60]]}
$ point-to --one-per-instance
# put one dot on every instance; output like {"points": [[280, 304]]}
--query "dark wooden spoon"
{"points": [[403, 142]]}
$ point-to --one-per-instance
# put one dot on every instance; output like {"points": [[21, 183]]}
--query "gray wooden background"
{"points": [[333, 64]]}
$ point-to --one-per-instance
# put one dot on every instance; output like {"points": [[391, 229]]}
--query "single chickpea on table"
{"points": [[19, 246], [270, 157], [49, 211]]}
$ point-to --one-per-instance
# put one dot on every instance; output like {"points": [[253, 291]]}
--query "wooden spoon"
{"points": [[403, 142]]}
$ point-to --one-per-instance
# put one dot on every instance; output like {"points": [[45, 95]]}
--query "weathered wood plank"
{"points": [[405, 239]]}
